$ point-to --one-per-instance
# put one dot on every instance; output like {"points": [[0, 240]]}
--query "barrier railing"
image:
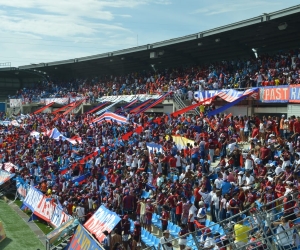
{"points": [[177, 99], [274, 225]]}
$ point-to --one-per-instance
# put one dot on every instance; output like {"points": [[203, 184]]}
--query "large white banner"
{"points": [[15, 103], [45, 208], [127, 98]]}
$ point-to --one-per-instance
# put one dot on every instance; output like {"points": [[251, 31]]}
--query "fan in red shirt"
{"points": [[279, 189], [178, 211], [164, 218], [296, 128], [149, 213]]}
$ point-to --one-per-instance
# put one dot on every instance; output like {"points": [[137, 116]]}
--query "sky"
{"points": [[41, 31]]}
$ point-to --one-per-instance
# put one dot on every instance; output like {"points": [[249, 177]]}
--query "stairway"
{"points": [[180, 104]]}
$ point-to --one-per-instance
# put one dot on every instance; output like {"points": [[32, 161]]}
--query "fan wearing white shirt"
{"points": [[249, 179], [207, 240], [218, 182]]}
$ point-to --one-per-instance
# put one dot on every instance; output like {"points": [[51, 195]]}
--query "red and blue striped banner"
{"points": [[109, 116]]}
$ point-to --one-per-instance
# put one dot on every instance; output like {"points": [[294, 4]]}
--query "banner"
{"points": [[59, 217], [62, 101], [43, 108], [56, 135], [188, 108], [83, 240], [109, 116], [139, 106], [248, 92], [98, 107], [181, 142], [102, 220], [227, 106], [274, 94], [294, 94], [158, 101], [154, 147], [5, 176], [228, 95], [127, 98], [15, 103], [32, 198], [7, 166], [45, 208], [22, 188], [126, 106]]}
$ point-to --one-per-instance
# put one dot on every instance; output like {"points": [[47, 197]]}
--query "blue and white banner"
{"points": [[22, 188], [33, 198], [5, 176], [102, 220], [154, 147], [229, 95], [83, 241], [59, 217], [249, 92]]}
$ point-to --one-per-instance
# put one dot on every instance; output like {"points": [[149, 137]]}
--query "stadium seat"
{"points": [[156, 242], [150, 240]]}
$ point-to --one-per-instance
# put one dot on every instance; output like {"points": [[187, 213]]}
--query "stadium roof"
{"points": [[267, 33]]}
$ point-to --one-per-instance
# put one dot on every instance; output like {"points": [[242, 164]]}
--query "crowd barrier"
{"points": [[263, 224]]}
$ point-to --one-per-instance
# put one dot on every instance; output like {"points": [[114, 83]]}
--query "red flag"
{"points": [[228, 116], [209, 123], [139, 129], [157, 120], [126, 136]]}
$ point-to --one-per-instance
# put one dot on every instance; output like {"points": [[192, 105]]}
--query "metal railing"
{"points": [[178, 100], [264, 226]]}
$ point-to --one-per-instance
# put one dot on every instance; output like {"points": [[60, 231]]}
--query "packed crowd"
{"points": [[266, 70], [181, 182]]}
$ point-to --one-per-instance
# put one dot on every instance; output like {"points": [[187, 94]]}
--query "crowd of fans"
{"points": [[266, 70], [181, 182], [184, 185]]}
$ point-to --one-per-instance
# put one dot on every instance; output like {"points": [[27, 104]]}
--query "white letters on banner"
{"points": [[59, 217], [102, 220], [127, 98], [45, 209], [15, 103], [33, 198]]}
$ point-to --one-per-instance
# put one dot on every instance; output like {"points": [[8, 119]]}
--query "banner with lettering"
{"points": [[274, 94], [22, 188], [102, 220], [45, 208], [127, 98], [59, 217], [15, 103], [83, 240], [5, 176], [154, 147], [294, 94], [228, 95], [32, 198], [7, 166]]}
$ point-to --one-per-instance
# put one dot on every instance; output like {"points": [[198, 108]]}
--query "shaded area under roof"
{"points": [[223, 43]]}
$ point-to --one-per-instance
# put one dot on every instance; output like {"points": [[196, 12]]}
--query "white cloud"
{"points": [[232, 6]]}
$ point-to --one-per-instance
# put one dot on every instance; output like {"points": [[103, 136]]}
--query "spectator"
{"points": [[166, 240], [241, 234]]}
